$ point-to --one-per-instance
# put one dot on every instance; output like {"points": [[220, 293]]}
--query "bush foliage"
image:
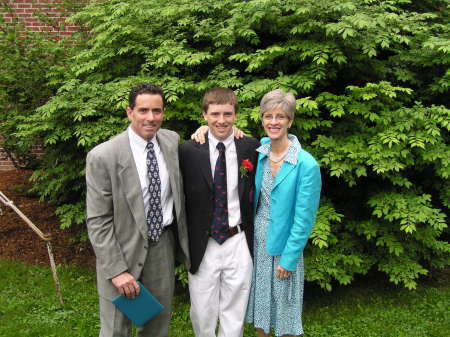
{"points": [[371, 79], [24, 58]]}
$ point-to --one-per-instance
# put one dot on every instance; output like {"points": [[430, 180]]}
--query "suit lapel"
{"points": [[129, 179], [285, 169], [169, 152], [241, 153], [205, 162], [169, 158]]}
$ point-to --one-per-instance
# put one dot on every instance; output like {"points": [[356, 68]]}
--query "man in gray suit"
{"points": [[135, 213]]}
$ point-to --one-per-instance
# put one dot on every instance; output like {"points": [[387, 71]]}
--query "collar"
{"points": [[292, 152], [213, 141], [140, 143]]}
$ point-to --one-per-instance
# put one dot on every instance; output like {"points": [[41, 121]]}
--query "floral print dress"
{"points": [[274, 303]]}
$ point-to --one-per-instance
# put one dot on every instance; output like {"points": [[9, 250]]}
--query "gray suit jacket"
{"points": [[116, 220]]}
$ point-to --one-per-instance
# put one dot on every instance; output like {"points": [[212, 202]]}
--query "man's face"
{"points": [[220, 118], [147, 115]]}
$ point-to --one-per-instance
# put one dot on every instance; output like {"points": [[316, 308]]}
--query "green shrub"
{"points": [[30, 61], [371, 77]]}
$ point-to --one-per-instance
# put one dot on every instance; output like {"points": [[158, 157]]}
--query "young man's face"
{"points": [[220, 118], [147, 115]]}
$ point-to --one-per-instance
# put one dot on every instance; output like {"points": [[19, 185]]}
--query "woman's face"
{"points": [[276, 124]]}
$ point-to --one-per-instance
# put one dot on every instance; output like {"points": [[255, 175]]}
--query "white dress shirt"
{"points": [[139, 150], [234, 209]]}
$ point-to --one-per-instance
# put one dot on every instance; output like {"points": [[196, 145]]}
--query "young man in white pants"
{"points": [[218, 184]]}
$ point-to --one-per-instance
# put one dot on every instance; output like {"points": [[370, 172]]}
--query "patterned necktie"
{"points": [[154, 215], [219, 227]]}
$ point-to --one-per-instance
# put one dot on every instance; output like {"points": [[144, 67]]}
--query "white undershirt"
{"points": [[138, 148], [234, 210]]}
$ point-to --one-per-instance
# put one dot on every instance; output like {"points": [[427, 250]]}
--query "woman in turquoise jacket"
{"points": [[287, 193]]}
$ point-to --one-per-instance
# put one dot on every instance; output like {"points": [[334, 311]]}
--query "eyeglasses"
{"points": [[278, 117]]}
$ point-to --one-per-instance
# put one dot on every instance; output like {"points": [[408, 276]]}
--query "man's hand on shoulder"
{"points": [[126, 285], [199, 134], [238, 133]]}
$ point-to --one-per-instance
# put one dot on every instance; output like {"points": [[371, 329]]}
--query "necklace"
{"points": [[279, 158]]}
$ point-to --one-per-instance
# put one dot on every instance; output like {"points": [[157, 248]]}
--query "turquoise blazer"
{"points": [[293, 205]]}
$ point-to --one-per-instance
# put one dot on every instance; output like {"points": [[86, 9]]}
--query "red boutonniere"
{"points": [[246, 166]]}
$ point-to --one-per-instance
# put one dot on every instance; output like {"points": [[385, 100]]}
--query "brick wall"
{"points": [[6, 164], [26, 12]]}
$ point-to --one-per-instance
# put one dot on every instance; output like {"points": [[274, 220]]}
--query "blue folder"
{"points": [[141, 308]]}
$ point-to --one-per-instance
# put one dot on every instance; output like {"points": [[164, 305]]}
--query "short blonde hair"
{"points": [[278, 99]]}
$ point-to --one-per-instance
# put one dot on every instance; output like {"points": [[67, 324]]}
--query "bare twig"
{"points": [[44, 237]]}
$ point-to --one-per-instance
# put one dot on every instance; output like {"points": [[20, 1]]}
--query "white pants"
{"points": [[220, 288]]}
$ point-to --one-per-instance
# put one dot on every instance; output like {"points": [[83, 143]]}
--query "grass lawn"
{"points": [[368, 308]]}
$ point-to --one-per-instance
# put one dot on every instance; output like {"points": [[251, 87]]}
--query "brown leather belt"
{"points": [[236, 229]]}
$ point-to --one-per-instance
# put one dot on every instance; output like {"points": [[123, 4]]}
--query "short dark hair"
{"points": [[145, 88], [219, 96]]}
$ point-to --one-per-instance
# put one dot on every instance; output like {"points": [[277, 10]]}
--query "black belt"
{"points": [[165, 228]]}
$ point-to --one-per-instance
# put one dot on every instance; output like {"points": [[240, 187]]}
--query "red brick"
{"points": [[48, 9], [32, 20]]}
